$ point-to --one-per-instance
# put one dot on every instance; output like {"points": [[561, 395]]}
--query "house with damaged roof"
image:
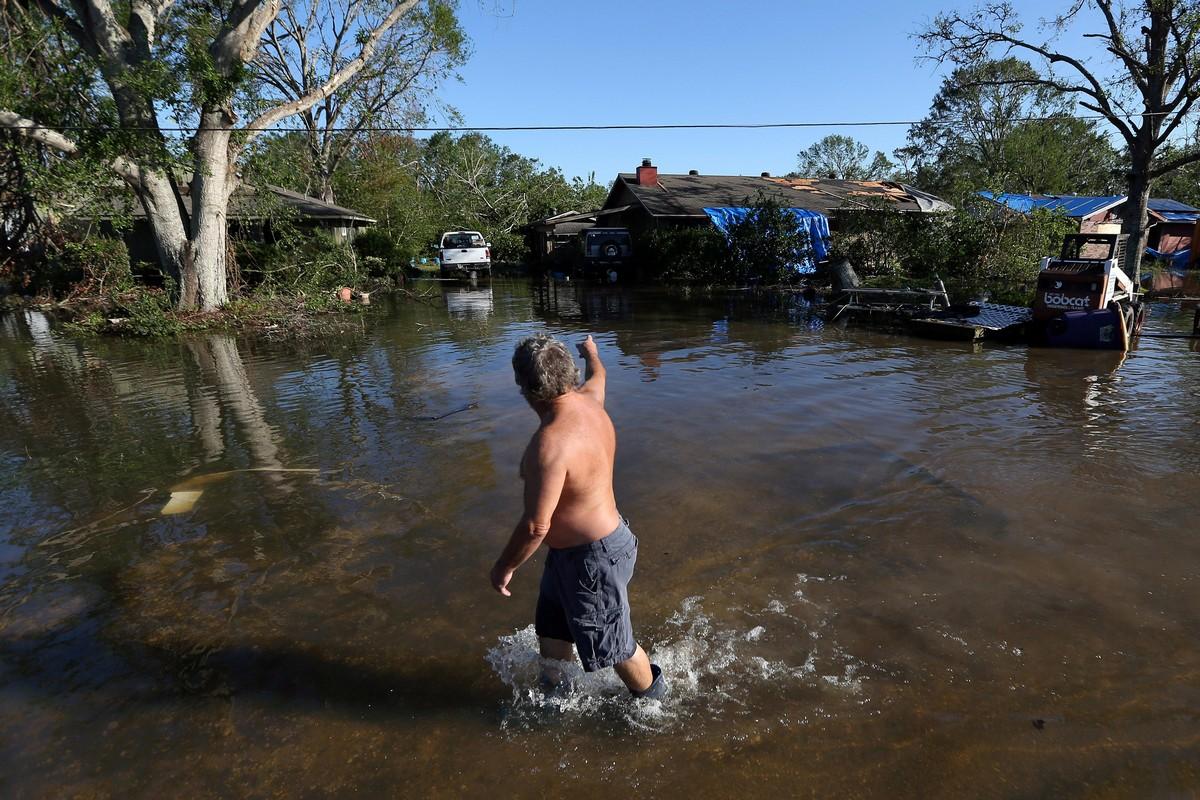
{"points": [[647, 198]]}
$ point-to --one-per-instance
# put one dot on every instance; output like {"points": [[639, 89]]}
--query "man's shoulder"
{"points": [[567, 430], [551, 440]]}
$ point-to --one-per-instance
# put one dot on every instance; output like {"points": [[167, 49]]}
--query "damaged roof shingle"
{"points": [[689, 195]]}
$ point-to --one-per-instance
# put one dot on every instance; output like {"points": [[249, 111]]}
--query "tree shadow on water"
{"points": [[77, 664]]}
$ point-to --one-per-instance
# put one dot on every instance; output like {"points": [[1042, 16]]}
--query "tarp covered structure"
{"points": [[1173, 210], [814, 224], [1069, 205]]}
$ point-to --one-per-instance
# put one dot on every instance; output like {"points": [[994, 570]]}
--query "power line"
{"points": [[617, 127]]}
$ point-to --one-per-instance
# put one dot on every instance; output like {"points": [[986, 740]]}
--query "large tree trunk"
{"points": [[166, 222], [205, 287], [1135, 220]]}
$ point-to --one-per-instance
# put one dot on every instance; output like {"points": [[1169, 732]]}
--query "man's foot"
{"points": [[556, 687], [658, 687]]}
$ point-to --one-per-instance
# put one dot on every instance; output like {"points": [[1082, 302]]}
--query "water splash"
{"points": [[711, 668]]}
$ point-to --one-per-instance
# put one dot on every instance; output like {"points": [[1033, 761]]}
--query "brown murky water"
{"points": [[870, 565]]}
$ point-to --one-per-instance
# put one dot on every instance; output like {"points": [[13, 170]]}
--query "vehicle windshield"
{"points": [[462, 240], [618, 236]]}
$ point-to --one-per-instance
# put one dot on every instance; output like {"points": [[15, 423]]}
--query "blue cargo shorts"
{"points": [[584, 598]]}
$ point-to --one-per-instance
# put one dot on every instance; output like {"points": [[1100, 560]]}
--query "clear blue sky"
{"points": [[672, 61]]}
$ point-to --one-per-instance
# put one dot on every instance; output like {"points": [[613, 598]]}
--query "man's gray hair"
{"points": [[544, 368]]}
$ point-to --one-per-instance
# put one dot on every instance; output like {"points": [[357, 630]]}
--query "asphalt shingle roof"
{"points": [[245, 205], [689, 195]]}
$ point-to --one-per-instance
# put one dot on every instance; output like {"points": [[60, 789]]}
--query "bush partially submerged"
{"points": [[768, 245], [684, 255], [976, 249], [764, 248]]}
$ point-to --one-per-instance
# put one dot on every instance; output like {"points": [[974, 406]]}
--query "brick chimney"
{"points": [[647, 174]]}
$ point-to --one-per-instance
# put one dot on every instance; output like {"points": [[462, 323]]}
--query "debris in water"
{"points": [[181, 502], [185, 495]]}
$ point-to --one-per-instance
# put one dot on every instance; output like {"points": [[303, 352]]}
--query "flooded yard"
{"points": [[870, 565]]}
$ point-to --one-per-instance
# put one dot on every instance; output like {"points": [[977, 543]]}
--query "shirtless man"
{"points": [[569, 504]]}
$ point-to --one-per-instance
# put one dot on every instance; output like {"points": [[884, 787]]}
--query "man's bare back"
{"points": [[578, 438]]}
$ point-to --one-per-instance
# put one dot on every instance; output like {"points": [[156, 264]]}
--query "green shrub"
{"points": [[148, 312], [507, 248], [765, 246], [976, 249], [697, 254], [376, 243], [91, 265], [298, 261], [762, 248]]}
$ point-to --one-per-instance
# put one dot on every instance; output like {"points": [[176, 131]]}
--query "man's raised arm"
{"points": [[594, 375]]}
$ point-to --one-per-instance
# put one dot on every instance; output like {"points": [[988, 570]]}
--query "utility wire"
{"points": [[618, 127]]}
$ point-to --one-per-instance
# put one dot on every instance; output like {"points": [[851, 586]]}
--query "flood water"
{"points": [[870, 565]]}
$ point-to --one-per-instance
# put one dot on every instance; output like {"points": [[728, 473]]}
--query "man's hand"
{"points": [[500, 578], [588, 348]]}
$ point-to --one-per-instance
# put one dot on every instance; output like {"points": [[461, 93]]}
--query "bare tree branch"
{"points": [[962, 36], [1116, 44], [340, 77]]}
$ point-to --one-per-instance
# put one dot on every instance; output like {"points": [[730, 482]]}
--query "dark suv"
{"points": [[606, 249]]}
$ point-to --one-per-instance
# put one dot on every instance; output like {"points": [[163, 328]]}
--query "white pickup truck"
{"points": [[464, 254]]}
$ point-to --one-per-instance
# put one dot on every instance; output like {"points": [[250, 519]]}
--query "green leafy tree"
{"points": [[843, 158], [40, 65], [478, 184], [986, 128], [1153, 55], [381, 172], [1184, 183], [193, 61]]}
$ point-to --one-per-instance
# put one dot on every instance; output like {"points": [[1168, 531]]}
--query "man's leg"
{"points": [[635, 671], [558, 650], [554, 634]]}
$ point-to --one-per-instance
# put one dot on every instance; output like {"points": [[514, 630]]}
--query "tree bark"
{"points": [[205, 287], [325, 181], [1135, 216], [157, 197]]}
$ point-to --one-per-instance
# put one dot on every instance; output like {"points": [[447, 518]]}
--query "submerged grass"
{"points": [[148, 312]]}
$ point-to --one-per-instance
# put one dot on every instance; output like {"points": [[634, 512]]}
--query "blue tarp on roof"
{"points": [[1163, 204], [1173, 210], [1071, 205], [814, 224]]}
